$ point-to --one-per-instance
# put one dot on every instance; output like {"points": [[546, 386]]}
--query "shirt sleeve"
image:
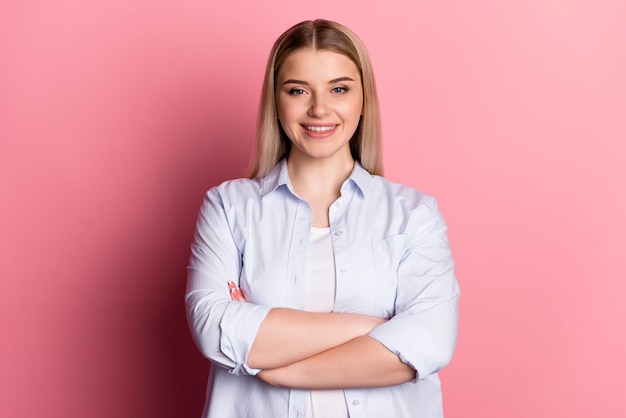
{"points": [[224, 330], [423, 331]]}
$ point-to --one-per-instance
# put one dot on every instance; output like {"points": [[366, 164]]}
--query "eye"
{"points": [[339, 90], [296, 92]]}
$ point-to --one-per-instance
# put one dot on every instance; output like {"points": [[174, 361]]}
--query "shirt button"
{"points": [[344, 270], [356, 402], [338, 233], [337, 205]]}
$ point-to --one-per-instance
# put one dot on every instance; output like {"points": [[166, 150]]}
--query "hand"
{"points": [[235, 292]]}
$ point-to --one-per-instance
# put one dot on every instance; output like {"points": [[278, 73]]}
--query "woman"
{"points": [[350, 302]]}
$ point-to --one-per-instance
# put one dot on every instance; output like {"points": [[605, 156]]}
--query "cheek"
{"points": [[285, 120], [353, 111], [284, 111]]}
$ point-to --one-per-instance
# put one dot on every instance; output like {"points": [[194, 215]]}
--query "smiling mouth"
{"points": [[313, 128]]}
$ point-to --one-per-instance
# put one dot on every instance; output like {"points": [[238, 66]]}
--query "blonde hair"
{"points": [[272, 143]]}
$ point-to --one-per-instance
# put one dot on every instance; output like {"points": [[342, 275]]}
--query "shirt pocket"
{"points": [[387, 255]]}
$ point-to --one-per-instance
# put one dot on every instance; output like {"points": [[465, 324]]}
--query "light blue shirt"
{"points": [[392, 260]]}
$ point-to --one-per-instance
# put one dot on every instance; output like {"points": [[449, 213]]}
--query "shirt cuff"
{"points": [[239, 327], [412, 344]]}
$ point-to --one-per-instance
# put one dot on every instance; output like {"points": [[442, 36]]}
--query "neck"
{"points": [[319, 177]]}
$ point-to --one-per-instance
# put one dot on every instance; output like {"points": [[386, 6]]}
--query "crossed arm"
{"points": [[311, 350], [361, 362], [326, 350]]}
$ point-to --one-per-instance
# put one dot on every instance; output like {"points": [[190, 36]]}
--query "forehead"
{"points": [[315, 64]]}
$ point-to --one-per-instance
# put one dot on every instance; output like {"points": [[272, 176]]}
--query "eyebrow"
{"points": [[333, 81]]}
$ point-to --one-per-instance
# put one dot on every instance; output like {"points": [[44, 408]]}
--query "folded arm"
{"points": [[361, 362], [287, 335]]}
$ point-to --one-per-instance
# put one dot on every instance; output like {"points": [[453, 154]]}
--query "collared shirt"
{"points": [[392, 260]]}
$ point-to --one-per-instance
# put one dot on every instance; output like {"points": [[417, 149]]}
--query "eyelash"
{"points": [[337, 90], [296, 92]]}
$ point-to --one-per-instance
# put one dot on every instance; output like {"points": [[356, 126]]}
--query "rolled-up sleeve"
{"points": [[224, 330], [423, 331]]}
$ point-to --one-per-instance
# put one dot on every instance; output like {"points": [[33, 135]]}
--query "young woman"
{"points": [[350, 302]]}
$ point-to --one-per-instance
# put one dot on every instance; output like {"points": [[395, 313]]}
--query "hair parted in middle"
{"points": [[272, 143]]}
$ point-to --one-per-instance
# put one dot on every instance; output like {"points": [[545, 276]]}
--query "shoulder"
{"points": [[401, 195], [235, 191], [416, 213]]}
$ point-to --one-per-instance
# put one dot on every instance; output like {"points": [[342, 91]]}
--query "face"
{"points": [[319, 99]]}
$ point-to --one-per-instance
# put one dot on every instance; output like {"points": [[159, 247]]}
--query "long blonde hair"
{"points": [[272, 143]]}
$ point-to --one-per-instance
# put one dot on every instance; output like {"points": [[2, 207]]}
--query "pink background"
{"points": [[116, 116]]}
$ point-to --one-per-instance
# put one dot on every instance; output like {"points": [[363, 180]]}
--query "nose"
{"points": [[319, 107]]}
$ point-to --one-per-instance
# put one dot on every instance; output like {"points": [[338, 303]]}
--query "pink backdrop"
{"points": [[116, 116]]}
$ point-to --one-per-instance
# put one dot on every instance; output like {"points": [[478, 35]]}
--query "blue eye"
{"points": [[339, 90]]}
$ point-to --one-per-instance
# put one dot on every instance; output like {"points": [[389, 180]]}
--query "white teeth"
{"points": [[320, 128]]}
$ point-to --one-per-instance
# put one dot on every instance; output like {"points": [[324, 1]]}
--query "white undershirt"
{"points": [[320, 297]]}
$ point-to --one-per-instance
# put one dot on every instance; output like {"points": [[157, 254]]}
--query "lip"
{"points": [[319, 134]]}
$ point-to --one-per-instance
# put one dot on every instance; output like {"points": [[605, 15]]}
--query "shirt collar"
{"points": [[279, 176], [361, 178]]}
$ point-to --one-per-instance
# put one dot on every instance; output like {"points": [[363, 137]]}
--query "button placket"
{"points": [[297, 254], [340, 250]]}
